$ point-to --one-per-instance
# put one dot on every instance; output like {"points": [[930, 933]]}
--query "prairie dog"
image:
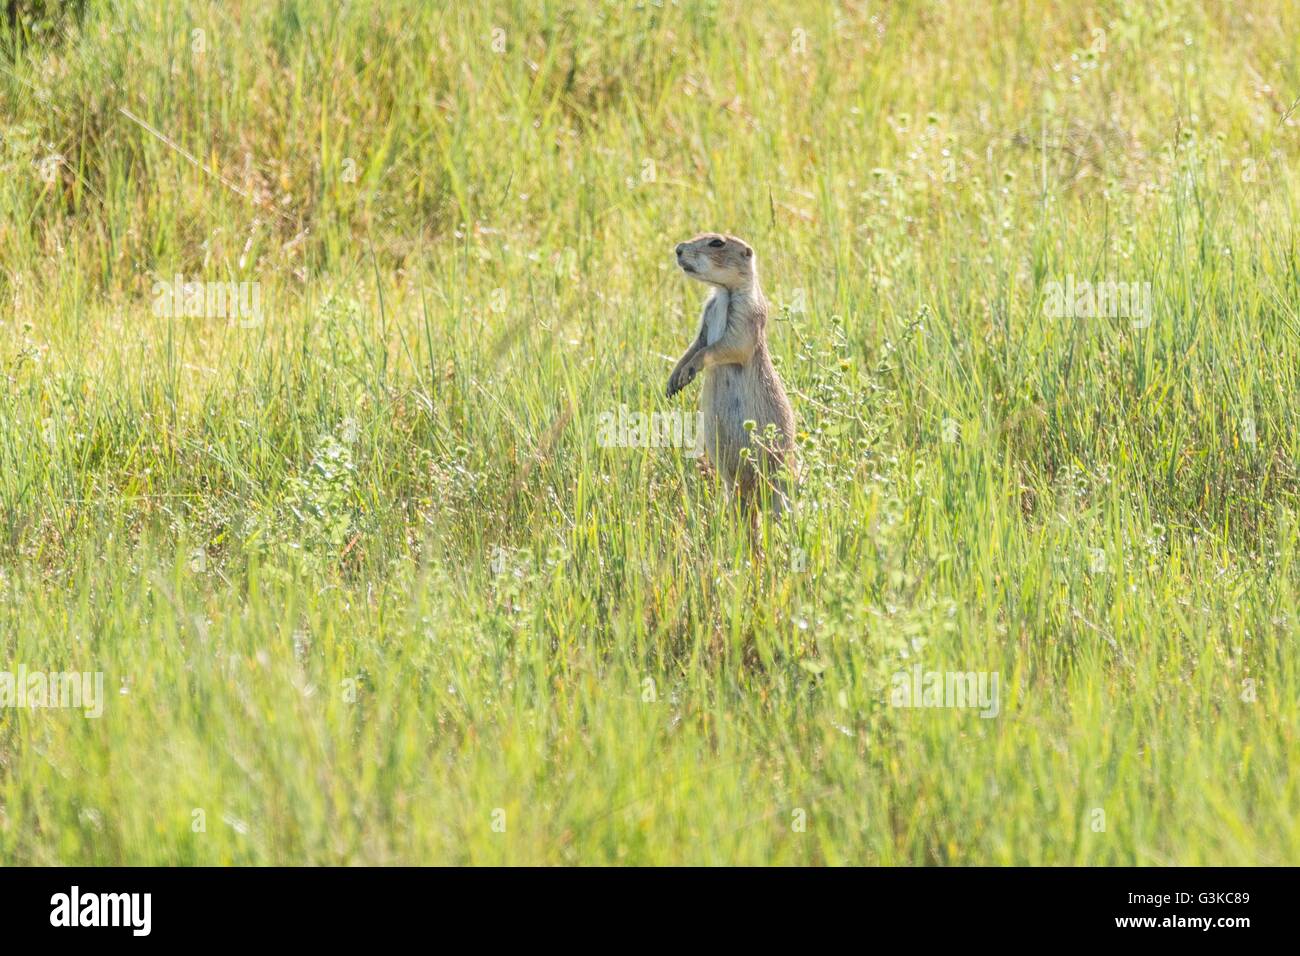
{"points": [[740, 383]]}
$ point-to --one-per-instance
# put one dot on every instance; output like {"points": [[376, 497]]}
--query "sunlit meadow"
{"points": [[365, 586]]}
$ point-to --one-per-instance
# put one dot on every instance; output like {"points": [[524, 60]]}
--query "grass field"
{"points": [[362, 584]]}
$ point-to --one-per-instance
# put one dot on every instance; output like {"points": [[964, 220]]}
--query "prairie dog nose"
{"points": [[681, 247]]}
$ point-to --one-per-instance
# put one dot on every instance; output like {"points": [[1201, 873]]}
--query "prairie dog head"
{"points": [[719, 260]]}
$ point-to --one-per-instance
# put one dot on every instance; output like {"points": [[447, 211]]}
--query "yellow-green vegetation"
{"points": [[365, 587]]}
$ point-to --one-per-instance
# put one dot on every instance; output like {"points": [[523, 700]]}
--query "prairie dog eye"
{"points": [[718, 243]]}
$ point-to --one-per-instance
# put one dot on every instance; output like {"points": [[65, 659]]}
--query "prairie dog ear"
{"points": [[749, 253]]}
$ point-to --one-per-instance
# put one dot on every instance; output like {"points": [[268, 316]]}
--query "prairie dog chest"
{"points": [[715, 316]]}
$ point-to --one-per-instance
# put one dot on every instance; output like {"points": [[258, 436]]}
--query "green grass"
{"points": [[364, 586]]}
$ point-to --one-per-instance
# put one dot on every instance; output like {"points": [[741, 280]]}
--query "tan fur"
{"points": [[740, 383]]}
